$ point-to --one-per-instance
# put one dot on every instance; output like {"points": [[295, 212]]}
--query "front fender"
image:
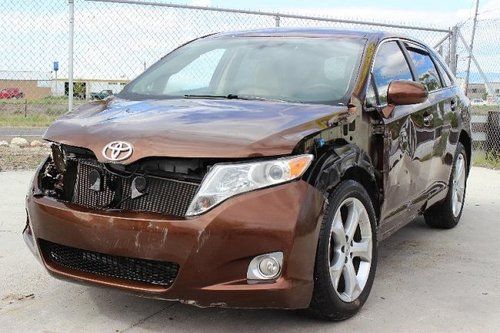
{"points": [[332, 165]]}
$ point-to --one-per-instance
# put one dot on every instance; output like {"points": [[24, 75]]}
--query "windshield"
{"points": [[304, 70]]}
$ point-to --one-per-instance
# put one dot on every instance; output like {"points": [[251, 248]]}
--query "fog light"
{"points": [[269, 267], [265, 267]]}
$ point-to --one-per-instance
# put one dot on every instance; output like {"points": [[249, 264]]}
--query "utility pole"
{"points": [[471, 48], [71, 4]]}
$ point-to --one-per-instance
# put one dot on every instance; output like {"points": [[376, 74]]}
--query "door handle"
{"points": [[428, 119]]}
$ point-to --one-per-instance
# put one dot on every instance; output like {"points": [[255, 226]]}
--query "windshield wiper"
{"points": [[234, 96], [230, 96]]}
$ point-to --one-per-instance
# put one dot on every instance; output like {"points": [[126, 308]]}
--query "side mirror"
{"points": [[404, 93]]}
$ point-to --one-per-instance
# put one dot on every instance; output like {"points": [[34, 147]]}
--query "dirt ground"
{"points": [[14, 158]]}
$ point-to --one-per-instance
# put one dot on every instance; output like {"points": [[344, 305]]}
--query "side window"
{"points": [[390, 65], [425, 71], [444, 74], [199, 73]]}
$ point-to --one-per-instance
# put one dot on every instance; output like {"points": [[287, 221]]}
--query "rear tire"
{"points": [[446, 214], [346, 258]]}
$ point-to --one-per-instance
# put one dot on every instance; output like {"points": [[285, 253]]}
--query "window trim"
{"points": [[407, 56], [371, 82]]}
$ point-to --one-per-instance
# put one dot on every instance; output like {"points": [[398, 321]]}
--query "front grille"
{"points": [[123, 268], [164, 196]]}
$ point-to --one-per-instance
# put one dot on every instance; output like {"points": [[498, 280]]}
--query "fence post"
{"points": [[71, 4], [471, 47], [453, 49], [278, 19]]}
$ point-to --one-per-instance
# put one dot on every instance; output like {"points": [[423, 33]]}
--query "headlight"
{"points": [[226, 180]]}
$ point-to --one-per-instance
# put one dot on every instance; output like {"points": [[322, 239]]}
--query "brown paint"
{"points": [[406, 93], [283, 218], [233, 129]]}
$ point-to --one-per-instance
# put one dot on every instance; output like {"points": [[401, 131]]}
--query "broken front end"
{"points": [[153, 227]]}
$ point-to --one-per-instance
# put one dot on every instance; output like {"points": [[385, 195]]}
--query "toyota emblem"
{"points": [[117, 151]]}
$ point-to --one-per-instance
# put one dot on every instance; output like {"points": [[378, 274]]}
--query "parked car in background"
{"points": [[101, 95], [9, 93], [478, 102], [255, 169]]}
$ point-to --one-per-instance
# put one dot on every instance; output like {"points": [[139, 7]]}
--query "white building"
{"points": [[82, 88]]}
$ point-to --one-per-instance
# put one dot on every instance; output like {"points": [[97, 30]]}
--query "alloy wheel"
{"points": [[350, 249]]}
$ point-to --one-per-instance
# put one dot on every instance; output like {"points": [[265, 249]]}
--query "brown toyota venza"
{"points": [[254, 169]]}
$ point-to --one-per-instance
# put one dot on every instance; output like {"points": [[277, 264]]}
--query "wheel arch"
{"points": [[363, 177], [343, 161], [466, 141]]}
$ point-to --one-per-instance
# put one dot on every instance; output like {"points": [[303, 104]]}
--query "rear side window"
{"points": [[425, 71], [390, 64]]}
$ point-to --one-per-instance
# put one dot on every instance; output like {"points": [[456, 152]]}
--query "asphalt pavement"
{"points": [[29, 133]]}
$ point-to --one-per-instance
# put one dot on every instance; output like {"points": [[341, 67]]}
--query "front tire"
{"points": [[346, 257], [446, 214]]}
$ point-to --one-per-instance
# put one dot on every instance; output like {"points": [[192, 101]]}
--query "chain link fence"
{"points": [[483, 84], [34, 34], [116, 40]]}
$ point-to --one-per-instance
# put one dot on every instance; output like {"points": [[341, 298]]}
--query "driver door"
{"points": [[405, 181]]}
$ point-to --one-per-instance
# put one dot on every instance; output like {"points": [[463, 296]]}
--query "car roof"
{"points": [[309, 32]]}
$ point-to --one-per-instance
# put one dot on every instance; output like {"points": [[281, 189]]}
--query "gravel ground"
{"points": [[427, 281], [15, 158]]}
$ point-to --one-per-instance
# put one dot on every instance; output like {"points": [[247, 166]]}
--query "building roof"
{"points": [[6, 75]]}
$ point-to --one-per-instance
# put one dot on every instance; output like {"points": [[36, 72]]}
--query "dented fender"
{"points": [[334, 162]]}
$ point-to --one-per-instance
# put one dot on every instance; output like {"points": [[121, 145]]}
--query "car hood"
{"points": [[193, 127]]}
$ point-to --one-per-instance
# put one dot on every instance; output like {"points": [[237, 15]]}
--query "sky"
{"points": [[436, 12], [117, 40], [329, 4]]}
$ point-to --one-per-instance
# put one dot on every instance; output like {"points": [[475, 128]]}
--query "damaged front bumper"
{"points": [[212, 251]]}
